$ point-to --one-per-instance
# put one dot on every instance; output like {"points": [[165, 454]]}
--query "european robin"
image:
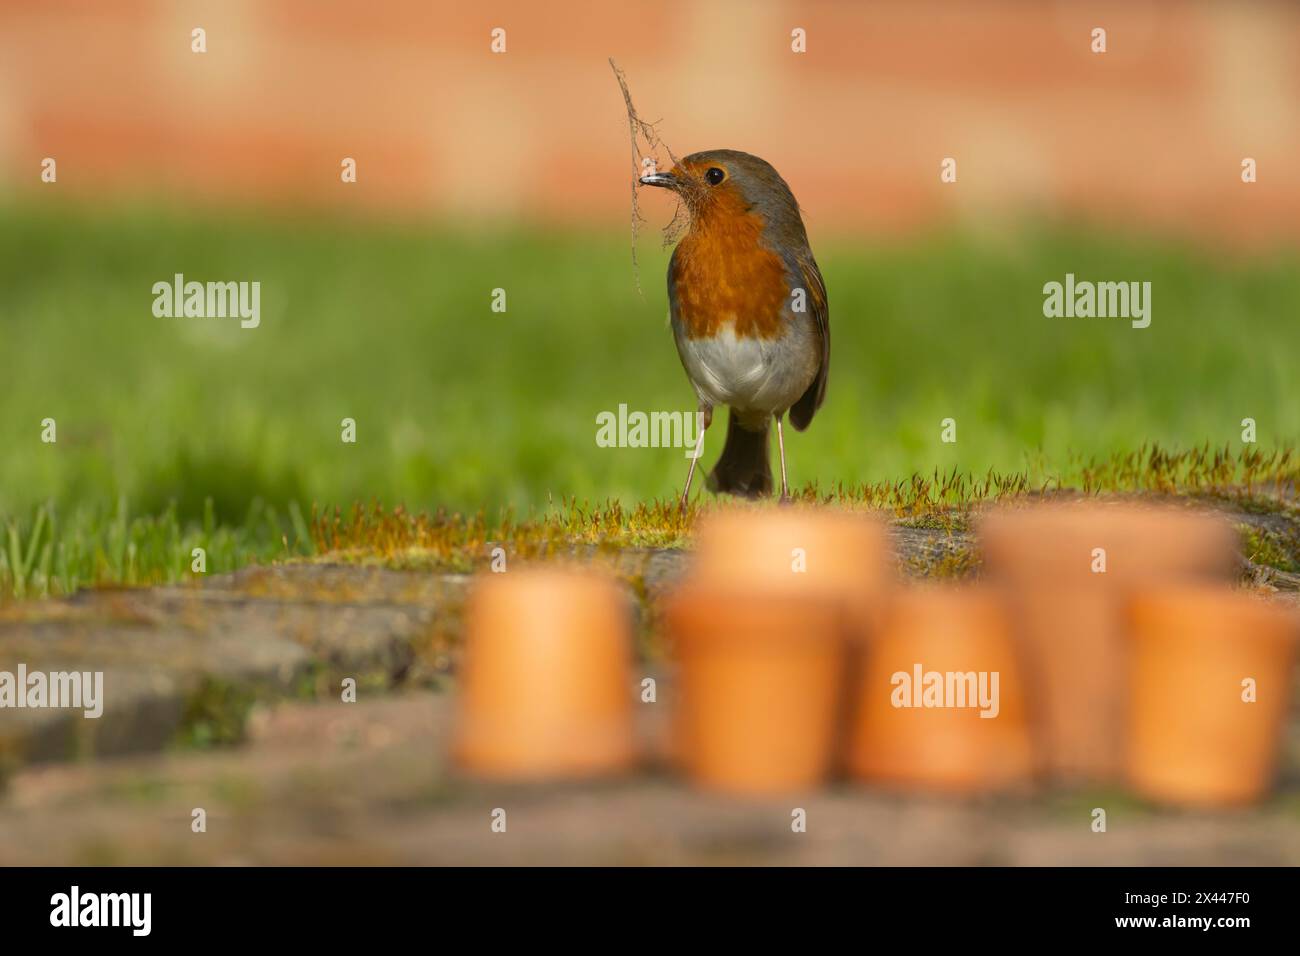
{"points": [[749, 311]]}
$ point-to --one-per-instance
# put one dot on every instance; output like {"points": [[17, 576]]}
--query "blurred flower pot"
{"points": [[939, 697], [1066, 571], [758, 699], [1212, 682], [810, 551], [546, 686]]}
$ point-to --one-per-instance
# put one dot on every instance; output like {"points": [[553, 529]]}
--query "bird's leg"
{"points": [[703, 420], [780, 444]]}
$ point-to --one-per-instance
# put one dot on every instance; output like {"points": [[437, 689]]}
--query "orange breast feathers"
{"points": [[722, 275]]}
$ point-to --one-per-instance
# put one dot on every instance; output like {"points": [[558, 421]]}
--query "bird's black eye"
{"points": [[715, 175]]}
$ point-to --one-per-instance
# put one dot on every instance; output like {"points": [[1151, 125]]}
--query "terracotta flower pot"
{"points": [[1194, 738], [546, 687], [1068, 612], [940, 696], [758, 697], [812, 551]]}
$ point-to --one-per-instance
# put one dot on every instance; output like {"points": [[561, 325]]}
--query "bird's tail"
{"points": [[743, 468]]}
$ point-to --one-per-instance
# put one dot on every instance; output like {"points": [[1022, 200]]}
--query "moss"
{"points": [[1248, 480], [139, 789], [1288, 803], [949, 522], [216, 714], [1271, 548], [1078, 804], [1251, 504], [648, 637], [959, 562], [100, 851], [238, 793], [309, 683], [1279, 550]]}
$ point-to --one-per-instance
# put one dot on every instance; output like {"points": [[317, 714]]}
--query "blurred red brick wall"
{"points": [[1150, 134]]}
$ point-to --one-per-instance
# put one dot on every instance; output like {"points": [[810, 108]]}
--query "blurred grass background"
{"points": [[202, 431], [479, 170]]}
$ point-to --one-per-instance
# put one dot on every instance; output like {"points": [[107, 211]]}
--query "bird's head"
{"points": [[721, 182]]}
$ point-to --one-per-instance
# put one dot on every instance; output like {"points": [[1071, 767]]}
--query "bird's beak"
{"points": [[666, 180]]}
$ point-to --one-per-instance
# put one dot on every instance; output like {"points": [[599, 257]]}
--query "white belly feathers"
{"points": [[751, 374]]}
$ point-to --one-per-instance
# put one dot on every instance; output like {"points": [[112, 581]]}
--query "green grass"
{"points": [[208, 432], [47, 552]]}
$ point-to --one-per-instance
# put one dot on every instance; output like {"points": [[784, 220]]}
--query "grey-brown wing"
{"points": [[801, 413]]}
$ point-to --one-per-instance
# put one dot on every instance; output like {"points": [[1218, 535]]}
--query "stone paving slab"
{"points": [[368, 783], [173, 654], [255, 659]]}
